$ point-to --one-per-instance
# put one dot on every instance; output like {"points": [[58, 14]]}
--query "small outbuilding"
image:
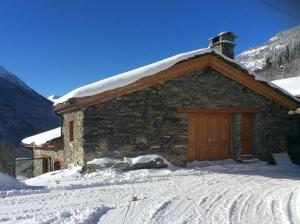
{"points": [[48, 154]]}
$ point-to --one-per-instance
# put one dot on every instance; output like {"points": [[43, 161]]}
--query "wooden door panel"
{"points": [[202, 138], [208, 136], [192, 144], [214, 151], [201, 129], [197, 137], [45, 165], [219, 136]]}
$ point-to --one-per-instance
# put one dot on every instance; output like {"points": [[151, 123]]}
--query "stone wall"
{"points": [[73, 150], [236, 144], [146, 121]]}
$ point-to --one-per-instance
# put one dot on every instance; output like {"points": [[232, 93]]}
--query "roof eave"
{"points": [[48, 144]]}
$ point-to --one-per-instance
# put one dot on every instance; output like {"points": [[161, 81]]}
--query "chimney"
{"points": [[224, 43]]}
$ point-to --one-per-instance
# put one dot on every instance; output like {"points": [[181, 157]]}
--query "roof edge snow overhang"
{"points": [[48, 144], [220, 63]]}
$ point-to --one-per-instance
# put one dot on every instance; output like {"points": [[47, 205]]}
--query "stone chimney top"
{"points": [[224, 43]]}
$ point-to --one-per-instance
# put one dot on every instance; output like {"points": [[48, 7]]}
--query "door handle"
{"points": [[209, 139]]}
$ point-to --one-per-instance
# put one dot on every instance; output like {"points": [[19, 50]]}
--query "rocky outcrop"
{"points": [[276, 59]]}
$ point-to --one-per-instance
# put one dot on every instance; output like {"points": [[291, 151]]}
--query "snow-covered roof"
{"points": [[53, 98], [291, 85], [129, 77], [126, 78], [43, 137]]}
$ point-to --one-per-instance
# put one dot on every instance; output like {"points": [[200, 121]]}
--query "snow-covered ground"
{"points": [[206, 192]]}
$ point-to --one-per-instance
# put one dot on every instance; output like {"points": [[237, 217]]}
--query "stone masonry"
{"points": [[146, 121], [73, 150], [224, 43], [236, 136]]}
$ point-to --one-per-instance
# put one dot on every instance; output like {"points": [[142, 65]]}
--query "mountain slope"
{"points": [[276, 59], [23, 111]]}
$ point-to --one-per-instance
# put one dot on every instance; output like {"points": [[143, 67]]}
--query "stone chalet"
{"points": [[199, 105]]}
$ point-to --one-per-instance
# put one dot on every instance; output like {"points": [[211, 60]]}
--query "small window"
{"points": [[71, 131]]}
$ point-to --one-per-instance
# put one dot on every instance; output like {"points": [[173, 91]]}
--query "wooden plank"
{"points": [[219, 136], [208, 136], [217, 111], [197, 137], [202, 137], [249, 81], [191, 137]]}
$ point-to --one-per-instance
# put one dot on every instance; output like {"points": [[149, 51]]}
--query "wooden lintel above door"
{"points": [[217, 110]]}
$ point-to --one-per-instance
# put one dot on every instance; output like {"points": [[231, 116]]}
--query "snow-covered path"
{"points": [[237, 194]]}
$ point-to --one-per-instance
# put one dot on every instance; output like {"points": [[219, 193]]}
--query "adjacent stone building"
{"points": [[48, 151], [199, 105]]}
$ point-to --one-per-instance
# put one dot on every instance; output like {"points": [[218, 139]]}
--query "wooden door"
{"points": [[45, 165], [208, 136], [246, 134], [197, 137], [219, 136], [56, 165]]}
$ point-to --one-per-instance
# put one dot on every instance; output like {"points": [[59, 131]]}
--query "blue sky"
{"points": [[58, 45]]}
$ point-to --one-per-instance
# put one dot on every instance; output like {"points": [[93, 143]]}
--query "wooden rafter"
{"points": [[250, 82]]}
